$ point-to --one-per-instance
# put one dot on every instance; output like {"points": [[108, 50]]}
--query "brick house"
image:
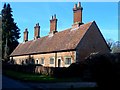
{"points": [[60, 49]]}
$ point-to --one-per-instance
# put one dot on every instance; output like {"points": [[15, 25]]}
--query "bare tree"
{"points": [[110, 42], [116, 47]]}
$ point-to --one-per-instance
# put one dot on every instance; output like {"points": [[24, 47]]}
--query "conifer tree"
{"points": [[10, 32]]}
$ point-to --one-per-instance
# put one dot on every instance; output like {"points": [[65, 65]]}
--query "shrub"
{"points": [[105, 69]]}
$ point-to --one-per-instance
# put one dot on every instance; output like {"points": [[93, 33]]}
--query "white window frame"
{"points": [[42, 61], [68, 62], [67, 65], [53, 60]]}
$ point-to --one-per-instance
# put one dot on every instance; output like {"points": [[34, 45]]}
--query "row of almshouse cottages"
{"points": [[60, 49]]}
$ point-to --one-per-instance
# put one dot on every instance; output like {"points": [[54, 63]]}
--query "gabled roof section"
{"points": [[60, 41]]}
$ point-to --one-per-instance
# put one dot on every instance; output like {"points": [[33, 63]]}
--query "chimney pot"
{"points": [[53, 24], [25, 35], [77, 12], [75, 6], [38, 24], [79, 4], [36, 31], [54, 16], [26, 30]]}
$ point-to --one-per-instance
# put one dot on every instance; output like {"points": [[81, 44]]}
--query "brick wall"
{"points": [[78, 16], [92, 42], [60, 55]]}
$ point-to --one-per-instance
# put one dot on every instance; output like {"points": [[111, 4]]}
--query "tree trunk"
{"points": [[6, 50]]}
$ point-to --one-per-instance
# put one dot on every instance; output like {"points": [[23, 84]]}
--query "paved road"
{"points": [[0, 80], [13, 84], [9, 83], [62, 85]]}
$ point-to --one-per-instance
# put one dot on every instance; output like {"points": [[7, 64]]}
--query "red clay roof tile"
{"points": [[64, 40]]}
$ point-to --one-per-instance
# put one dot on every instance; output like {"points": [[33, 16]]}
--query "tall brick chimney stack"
{"points": [[36, 31], [53, 25], [25, 35], [77, 15]]}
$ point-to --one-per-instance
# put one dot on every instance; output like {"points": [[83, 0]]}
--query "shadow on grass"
{"points": [[28, 77]]}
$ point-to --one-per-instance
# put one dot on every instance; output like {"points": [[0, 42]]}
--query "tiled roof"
{"points": [[64, 40]]}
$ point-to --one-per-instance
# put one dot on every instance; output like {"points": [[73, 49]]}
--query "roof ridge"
{"points": [[57, 32]]}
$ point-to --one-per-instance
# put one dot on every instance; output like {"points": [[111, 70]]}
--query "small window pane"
{"points": [[68, 61], [42, 60], [51, 60]]}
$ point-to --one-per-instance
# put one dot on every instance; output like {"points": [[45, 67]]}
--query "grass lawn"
{"points": [[37, 77], [43, 78]]}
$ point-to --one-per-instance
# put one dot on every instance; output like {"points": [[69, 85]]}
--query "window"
{"points": [[32, 61], [42, 60], [68, 61], [51, 60], [23, 62]]}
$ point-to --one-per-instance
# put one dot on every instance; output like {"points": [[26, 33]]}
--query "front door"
{"points": [[59, 62]]}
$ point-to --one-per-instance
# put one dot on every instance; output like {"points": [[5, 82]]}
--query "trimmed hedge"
{"points": [[105, 70], [102, 68]]}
